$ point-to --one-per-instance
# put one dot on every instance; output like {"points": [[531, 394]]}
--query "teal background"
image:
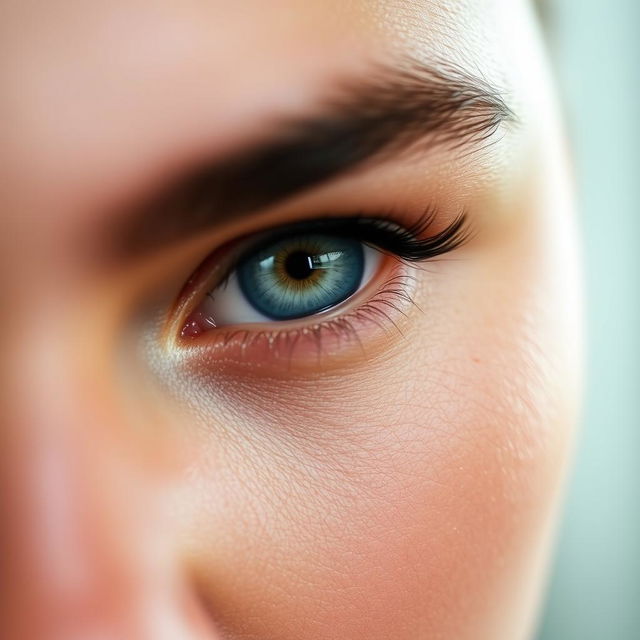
{"points": [[595, 587]]}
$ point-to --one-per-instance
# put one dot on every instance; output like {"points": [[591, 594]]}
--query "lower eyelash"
{"points": [[393, 298], [394, 292]]}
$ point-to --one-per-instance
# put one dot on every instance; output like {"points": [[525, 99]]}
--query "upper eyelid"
{"points": [[412, 243]]}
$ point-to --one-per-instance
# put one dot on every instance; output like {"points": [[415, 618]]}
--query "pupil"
{"points": [[298, 265]]}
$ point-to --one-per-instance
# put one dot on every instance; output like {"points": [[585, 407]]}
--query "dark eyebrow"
{"points": [[414, 107]]}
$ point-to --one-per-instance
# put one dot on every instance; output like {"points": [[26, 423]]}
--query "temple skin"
{"points": [[404, 486]]}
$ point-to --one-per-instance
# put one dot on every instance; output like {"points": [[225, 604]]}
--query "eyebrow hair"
{"points": [[414, 108]]}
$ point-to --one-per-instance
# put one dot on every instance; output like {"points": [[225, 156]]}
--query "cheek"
{"points": [[414, 498], [472, 439], [415, 501]]}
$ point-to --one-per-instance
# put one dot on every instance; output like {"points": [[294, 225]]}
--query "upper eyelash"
{"points": [[409, 243], [406, 243]]}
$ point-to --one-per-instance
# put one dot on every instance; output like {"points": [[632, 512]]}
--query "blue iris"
{"points": [[301, 275]]}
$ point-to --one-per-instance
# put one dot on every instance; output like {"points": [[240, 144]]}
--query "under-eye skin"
{"points": [[322, 275]]}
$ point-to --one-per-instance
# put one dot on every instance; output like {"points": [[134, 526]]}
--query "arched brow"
{"points": [[408, 108]]}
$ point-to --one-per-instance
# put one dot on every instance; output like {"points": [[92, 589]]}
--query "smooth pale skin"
{"points": [[406, 490]]}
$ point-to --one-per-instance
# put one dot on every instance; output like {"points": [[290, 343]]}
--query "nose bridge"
{"points": [[84, 550], [55, 545]]}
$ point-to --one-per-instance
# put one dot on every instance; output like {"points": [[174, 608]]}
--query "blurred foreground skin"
{"points": [[155, 488]]}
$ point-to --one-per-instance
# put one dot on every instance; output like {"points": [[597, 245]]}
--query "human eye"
{"points": [[320, 278], [302, 274]]}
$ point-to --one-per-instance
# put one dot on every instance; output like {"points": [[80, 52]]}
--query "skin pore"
{"points": [[390, 468]]}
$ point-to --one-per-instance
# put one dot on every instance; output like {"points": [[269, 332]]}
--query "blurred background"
{"points": [[595, 588]]}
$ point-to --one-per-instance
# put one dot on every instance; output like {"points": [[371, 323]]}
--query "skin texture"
{"points": [[402, 485]]}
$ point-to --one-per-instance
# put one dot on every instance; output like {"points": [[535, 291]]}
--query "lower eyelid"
{"points": [[351, 331]]}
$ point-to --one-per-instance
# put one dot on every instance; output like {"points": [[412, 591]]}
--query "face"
{"points": [[290, 333]]}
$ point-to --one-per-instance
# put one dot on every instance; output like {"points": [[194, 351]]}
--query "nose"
{"points": [[87, 550]]}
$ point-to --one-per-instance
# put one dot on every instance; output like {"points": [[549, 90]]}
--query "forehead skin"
{"points": [[417, 499]]}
